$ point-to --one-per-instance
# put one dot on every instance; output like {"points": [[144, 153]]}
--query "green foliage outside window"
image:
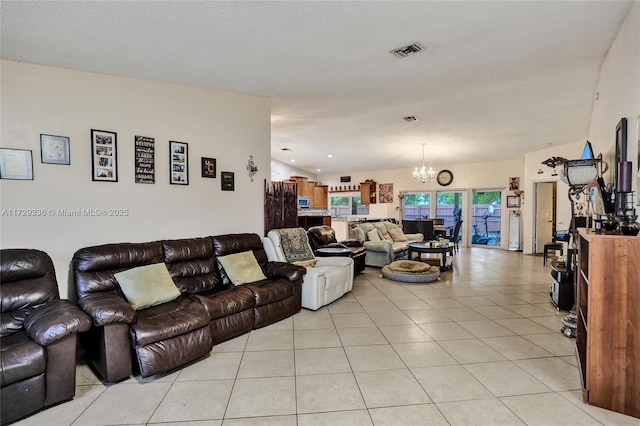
{"points": [[488, 197], [416, 199]]}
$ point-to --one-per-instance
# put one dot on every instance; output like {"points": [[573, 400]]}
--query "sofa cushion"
{"points": [[147, 285], [242, 268], [387, 237], [21, 358], [397, 235], [374, 235], [226, 301], [271, 291], [192, 264], [168, 320]]}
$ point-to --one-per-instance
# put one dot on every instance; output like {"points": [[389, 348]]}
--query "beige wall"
{"points": [[228, 127], [618, 96], [492, 175]]}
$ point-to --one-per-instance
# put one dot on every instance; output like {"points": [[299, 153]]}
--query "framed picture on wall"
{"points": [[513, 201], [227, 181], [178, 163], [145, 159], [208, 166], [104, 155], [16, 164], [54, 149]]}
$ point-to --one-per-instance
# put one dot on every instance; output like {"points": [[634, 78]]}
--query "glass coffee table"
{"points": [[443, 249]]}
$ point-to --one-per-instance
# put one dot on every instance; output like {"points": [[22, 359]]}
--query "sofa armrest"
{"points": [[54, 321], [276, 270], [107, 308], [414, 237], [352, 242], [379, 246]]}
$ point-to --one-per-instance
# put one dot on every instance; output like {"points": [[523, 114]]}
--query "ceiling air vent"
{"points": [[410, 118], [403, 52]]}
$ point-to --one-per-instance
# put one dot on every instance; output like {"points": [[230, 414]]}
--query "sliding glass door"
{"points": [[449, 208], [486, 217]]}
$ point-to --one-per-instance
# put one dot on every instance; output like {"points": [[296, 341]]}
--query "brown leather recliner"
{"points": [[38, 335], [325, 236]]}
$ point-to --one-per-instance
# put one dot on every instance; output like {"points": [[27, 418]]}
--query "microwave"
{"points": [[304, 202]]}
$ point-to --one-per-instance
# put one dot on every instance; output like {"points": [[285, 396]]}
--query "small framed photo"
{"points": [[514, 183], [513, 201], [54, 149], [208, 167], [178, 163], [227, 181], [16, 164], [104, 155]]}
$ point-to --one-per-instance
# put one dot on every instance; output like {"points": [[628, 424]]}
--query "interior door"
{"points": [[545, 214]]}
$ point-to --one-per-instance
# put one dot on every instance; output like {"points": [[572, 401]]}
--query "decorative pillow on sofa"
{"points": [[147, 285], [387, 237], [374, 235], [242, 268], [294, 243], [397, 235]]}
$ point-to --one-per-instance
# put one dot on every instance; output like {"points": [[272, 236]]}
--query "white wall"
{"points": [[619, 92], [228, 127], [281, 171], [618, 96], [492, 175]]}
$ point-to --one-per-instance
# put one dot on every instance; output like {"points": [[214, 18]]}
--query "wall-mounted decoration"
{"points": [[513, 201], [16, 164], [208, 167], [145, 159], [178, 163], [227, 181], [104, 155], [54, 149], [514, 183], [386, 192], [251, 168], [345, 178]]}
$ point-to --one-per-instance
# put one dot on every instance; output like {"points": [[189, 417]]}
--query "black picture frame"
{"points": [[227, 181], [16, 164], [54, 149], [513, 201], [208, 166], [144, 159], [104, 156], [621, 147], [178, 163]]}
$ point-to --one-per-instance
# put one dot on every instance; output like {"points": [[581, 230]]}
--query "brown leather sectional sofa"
{"points": [[209, 310]]}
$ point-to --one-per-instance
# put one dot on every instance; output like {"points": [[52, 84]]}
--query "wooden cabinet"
{"points": [[608, 320], [320, 197], [368, 192]]}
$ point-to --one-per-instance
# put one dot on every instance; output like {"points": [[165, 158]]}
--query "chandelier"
{"points": [[423, 174]]}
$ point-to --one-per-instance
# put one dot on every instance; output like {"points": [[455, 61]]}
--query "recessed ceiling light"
{"points": [[330, 156], [317, 170], [292, 160]]}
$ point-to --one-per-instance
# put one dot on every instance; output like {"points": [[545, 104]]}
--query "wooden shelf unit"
{"points": [[608, 320], [368, 192]]}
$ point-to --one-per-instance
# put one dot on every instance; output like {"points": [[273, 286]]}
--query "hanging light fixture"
{"points": [[423, 174]]}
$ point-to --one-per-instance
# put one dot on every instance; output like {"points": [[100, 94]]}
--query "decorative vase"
{"points": [[629, 226], [611, 222]]}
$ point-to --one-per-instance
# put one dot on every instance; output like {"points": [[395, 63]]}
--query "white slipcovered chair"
{"points": [[328, 280]]}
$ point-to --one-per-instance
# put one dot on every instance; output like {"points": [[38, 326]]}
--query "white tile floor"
{"points": [[479, 347]]}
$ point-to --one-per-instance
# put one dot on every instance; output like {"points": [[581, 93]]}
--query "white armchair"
{"points": [[328, 280]]}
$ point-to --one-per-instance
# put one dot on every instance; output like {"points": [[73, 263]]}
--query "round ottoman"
{"points": [[410, 271]]}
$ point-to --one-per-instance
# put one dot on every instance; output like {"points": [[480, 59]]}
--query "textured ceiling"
{"points": [[496, 79]]}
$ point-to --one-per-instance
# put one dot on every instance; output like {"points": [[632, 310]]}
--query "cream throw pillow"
{"points": [[242, 268], [147, 286], [397, 235], [388, 237], [373, 235]]}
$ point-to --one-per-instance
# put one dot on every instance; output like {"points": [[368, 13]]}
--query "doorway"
{"points": [[545, 215]]}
